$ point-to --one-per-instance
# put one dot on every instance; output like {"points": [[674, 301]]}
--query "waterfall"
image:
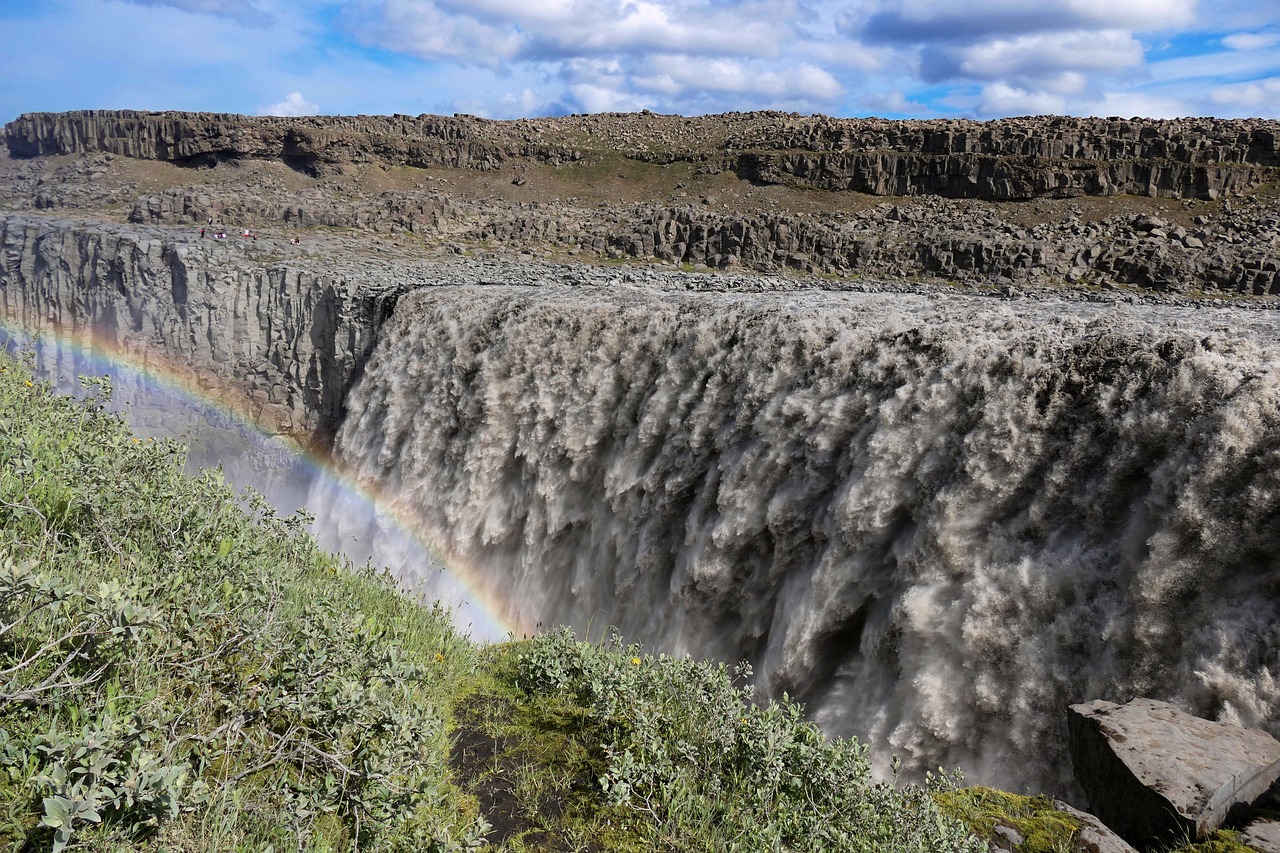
{"points": [[938, 521]]}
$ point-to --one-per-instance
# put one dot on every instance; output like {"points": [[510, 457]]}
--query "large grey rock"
{"points": [[1262, 835], [1152, 772], [1094, 835]]}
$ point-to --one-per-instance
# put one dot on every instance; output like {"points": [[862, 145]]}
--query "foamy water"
{"points": [[937, 521]]}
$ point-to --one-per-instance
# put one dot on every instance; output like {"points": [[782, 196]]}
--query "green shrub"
{"points": [[181, 668], [686, 746]]}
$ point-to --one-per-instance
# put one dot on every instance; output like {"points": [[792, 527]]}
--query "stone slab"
{"points": [[1154, 773]]}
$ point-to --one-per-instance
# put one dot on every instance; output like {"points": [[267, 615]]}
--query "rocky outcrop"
{"points": [[1184, 140], [289, 340], [1011, 159], [997, 178], [1237, 252], [310, 144], [1154, 773], [1232, 247], [939, 238]]}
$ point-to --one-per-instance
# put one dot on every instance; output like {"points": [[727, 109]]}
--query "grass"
{"points": [[1043, 828], [181, 669]]}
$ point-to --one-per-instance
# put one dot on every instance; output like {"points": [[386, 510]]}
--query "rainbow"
{"points": [[479, 607]]}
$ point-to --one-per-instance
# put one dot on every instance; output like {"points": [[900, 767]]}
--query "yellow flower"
{"points": [[30, 384], [439, 658], [636, 661]]}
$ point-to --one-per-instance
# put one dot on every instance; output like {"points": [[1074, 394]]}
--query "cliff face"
{"points": [[289, 340], [998, 178], [1013, 159], [311, 144], [929, 236]]}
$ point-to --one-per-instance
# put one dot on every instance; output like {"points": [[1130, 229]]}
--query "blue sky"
{"points": [[511, 58]]}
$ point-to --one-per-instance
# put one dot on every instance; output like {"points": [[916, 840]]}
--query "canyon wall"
{"points": [[1235, 252], [288, 341], [936, 518], [1012, 159]]}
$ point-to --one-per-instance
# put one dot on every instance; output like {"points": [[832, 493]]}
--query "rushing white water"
{"points": [[936, 521]]}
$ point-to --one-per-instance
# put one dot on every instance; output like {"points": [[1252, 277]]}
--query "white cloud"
{"points": [[1142, 105], [1257, 93], [892, 103], [1001, 99], [1049, 56], [292, 105], [673, 75], [592, 98], [492, 31], [1224, 16], [967, 21], [1223, 65], [612, 54], [1020, 57], [1251, 41]]}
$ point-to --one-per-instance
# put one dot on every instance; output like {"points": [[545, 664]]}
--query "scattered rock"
{"points": [[1006, 838]]}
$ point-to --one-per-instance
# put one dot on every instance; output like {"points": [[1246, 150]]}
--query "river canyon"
{"points": [[937, 508]]}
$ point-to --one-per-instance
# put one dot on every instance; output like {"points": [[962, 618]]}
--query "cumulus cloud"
{"points": [[1142, 105], [1001, 99], [892, 102], [1057, 62], [1251, 41], [620, 54], [673, 74], [489, 31], [1250, 96], [1023, 57], [292, 105]]}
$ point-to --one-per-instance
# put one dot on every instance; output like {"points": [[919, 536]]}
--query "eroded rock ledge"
{"points": [[1010, 159]]}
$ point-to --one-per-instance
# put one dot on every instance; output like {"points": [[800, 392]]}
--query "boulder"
{"points": [[1154, 773], [1094, 836], [1262, 835]]}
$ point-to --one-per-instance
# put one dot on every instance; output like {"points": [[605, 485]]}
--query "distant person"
{"points": [[202, 233]]}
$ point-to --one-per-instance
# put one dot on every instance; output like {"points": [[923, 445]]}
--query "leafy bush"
{"points": [[182, 671], [686, 746]]}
